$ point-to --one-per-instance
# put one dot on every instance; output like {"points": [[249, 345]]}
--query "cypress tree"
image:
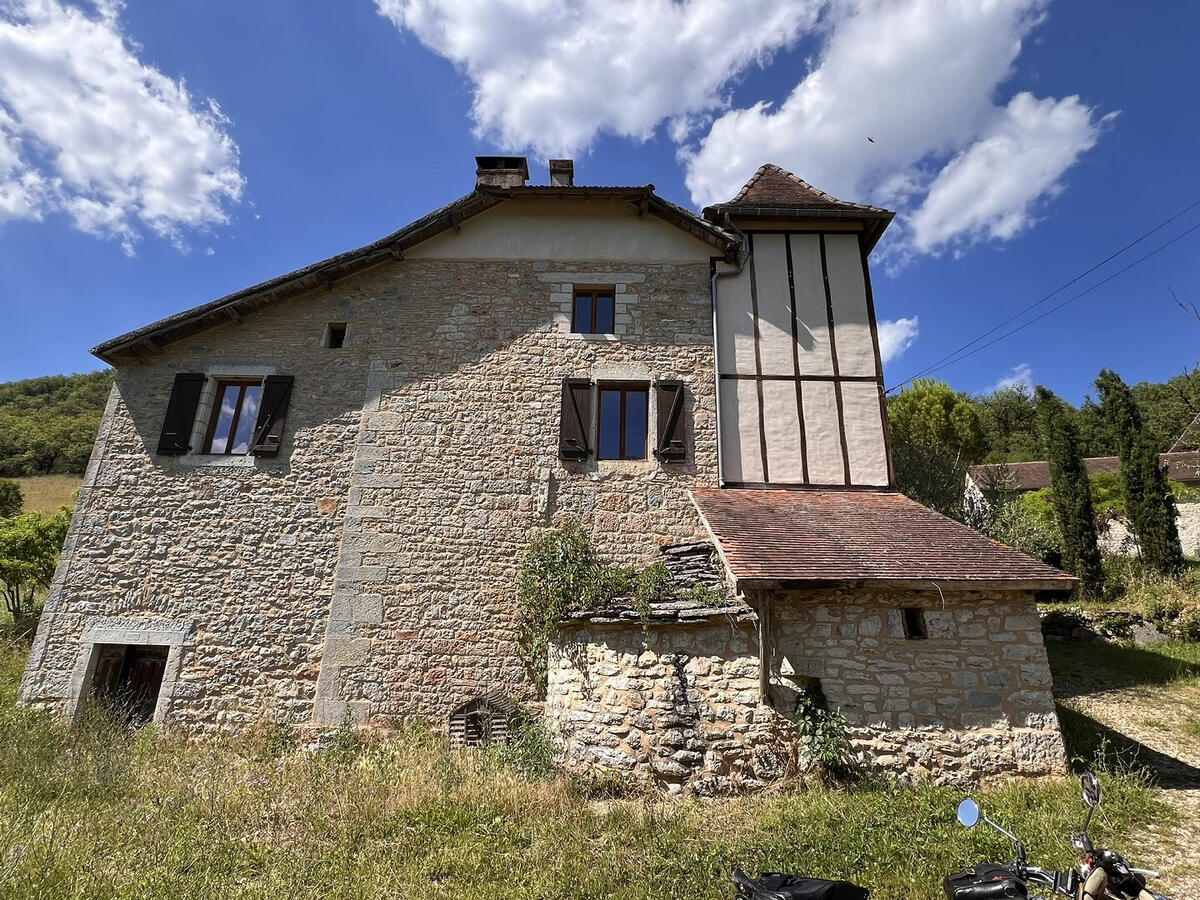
{"points": [[1071, 493], [1148, 500]]}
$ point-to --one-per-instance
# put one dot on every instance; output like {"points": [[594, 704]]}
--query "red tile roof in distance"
{"points": [[1181, 466], [805, 538]]}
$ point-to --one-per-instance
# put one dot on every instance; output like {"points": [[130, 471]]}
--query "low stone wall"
{"points": [[680, 705]]}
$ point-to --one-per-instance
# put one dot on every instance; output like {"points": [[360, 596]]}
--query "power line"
{"points": [[937, 364], [956, 357]]}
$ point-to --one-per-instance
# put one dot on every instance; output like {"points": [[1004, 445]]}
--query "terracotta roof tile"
{"points": [[773, 187], [846, 536], [1033, 476]]}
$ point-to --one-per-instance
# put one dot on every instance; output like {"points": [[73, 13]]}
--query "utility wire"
{"points": [[956, 358], [937, 364]]}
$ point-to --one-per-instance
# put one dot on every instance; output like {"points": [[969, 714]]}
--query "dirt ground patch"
{"points": [[1152, 721]]}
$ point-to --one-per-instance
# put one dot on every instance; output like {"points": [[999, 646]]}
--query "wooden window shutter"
{"points": [[176, 434], [268, 431], [671, 446], [576, 419]]}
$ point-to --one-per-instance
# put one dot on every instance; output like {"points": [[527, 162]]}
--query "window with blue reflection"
{"points": [[594, 312], [623, 422]]}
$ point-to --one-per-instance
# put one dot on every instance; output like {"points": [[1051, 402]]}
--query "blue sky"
{"points": [[1021, 141]]}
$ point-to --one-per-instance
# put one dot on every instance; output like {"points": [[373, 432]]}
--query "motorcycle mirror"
{"points": [[1091, 790], [968, 813]]}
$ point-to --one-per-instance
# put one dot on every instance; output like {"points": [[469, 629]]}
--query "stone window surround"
{"points": [[562, 299], [214, 373], [624, 374], [172, 634]]}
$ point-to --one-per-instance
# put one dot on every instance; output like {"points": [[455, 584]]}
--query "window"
{"points": [[335, 335], [623, 416], [128, 679], [914, 623], [235, 412], [594, 312]]}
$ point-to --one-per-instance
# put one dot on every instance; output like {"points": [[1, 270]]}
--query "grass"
{"points": [[1167, 663], [46, 493], [96, 812]]}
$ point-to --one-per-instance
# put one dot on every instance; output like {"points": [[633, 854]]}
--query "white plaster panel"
{"points": [[864, 433], [848, 291], [558, 229], [812, 315], [822, 434], [774, 304], [735, 325], [741, 451], [781, 421]]}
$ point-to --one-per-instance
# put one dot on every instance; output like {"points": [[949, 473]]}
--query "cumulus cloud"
{"points": [[87, 129], [896, 336], [550, 75], [1020, 376], [919, 77]]}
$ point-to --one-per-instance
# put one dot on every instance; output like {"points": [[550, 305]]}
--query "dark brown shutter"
{"points": [[268, 432], [181, 414], [671, 447], [576, 417]]}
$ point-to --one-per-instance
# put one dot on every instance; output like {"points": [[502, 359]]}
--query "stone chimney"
{"points": [[562, 172], [501, 171]]}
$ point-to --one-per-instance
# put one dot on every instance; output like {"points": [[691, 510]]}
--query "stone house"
{"points": [[1116, 538], [309, 499]]}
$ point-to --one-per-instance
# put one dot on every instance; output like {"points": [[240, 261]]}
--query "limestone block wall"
{"points": [[370, 568], [681, 707], [1117, 539]]}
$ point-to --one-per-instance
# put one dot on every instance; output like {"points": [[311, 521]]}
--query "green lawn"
{"points": [[98, 813]]}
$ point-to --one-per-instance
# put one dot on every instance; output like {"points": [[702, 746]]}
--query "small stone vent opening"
{"points": [[482, 722]]}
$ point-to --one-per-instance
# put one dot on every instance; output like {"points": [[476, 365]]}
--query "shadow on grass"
{"points": [[1088, 668], [1092, 746]]}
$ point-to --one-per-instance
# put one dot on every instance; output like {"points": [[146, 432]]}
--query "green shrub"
{"points": [[1024, 526]]}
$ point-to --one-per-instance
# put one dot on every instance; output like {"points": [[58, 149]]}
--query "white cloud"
{"points": [[989, 190], [896, 336], [89, 130], [551, 75], [919, 77], [1020, 376]]}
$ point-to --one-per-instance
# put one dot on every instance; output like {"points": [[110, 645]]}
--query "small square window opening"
{"points": [[335, 335], [234, 414], [623, 422], [914, 623], [594, 312]]}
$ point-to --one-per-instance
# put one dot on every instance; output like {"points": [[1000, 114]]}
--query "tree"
{"points": [[1071, 492], [29, 548], [11, 499], [1148, 499], [1009, 420], [936, 435]]}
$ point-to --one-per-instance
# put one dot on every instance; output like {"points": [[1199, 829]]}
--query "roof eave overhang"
{"points": [[1065, 584], [875, 221], [135, 346]]}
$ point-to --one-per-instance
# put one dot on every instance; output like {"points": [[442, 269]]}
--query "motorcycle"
{"points": [[1102, 875]]}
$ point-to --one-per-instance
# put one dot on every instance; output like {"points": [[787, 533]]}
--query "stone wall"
{"points": [[1116, 538], [370, 568], [681, 707]]}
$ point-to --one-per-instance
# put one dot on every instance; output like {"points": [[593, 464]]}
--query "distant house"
{"points": [[309, 499], [1182, 466]]}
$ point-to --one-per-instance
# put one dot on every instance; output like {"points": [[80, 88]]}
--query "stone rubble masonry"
{"points": [[370, 569], [681, 708]]}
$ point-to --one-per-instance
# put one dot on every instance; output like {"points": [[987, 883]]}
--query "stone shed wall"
{"points": [[370, 569], [681, 707]]}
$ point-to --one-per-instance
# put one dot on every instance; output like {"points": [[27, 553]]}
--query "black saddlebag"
{"points": [[984, 882], [777, 886]]}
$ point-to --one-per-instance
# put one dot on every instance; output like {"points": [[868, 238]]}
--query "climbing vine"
{"points": [[561, 575]]}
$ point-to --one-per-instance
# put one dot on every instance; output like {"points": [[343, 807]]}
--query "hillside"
{"points": [[48, 425]]}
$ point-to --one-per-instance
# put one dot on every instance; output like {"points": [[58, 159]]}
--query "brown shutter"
{"points": [[576, 417], [268, 431], [181, 414], [671, 447]]}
